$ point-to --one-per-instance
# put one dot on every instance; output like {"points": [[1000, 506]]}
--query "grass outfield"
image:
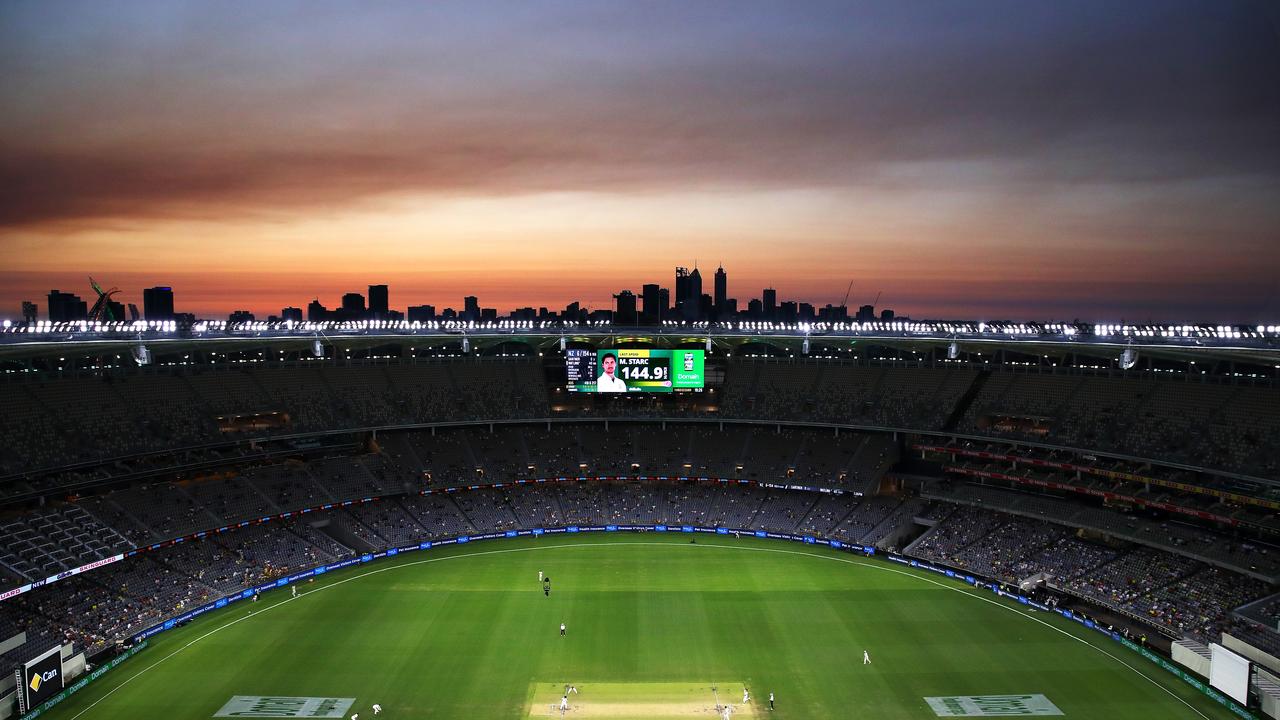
{"points": [[653, 623]]}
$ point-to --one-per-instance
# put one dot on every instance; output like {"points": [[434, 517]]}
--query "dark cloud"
{"points": [[202, 109]]}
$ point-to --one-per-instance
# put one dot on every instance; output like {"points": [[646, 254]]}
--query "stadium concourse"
{"points": [[1143, 499]]}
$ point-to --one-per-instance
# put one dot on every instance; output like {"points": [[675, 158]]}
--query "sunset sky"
{"points": [[1023, 159]]}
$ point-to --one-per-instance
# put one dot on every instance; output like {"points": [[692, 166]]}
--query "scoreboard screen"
{"points": [[632, 371]]}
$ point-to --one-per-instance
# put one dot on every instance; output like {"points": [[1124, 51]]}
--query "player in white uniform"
{"points": [[294, 588], [377, 709], [866, 658], [564, 703], [746, 696], [539, 576], [561, 628]]}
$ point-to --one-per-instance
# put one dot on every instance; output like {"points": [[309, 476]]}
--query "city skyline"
{"points": [[997, 160]]}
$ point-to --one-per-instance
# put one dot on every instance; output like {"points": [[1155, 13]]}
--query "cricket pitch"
{"points": [[640, 701]]}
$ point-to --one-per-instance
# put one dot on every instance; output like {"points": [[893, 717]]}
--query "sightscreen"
{"points": [[1229, 673], [634, 370]]}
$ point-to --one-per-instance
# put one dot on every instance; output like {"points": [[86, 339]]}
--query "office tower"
{"points": [[626, 308], [770, 302], [422, 313], [682, 289], [693, 303], [470, 308], [353, 306], [157, 303], [378, 302], [29, 311], [240, 316], [722, 288], [291, 313], [66, 307], [317, 312], [650, 295]]}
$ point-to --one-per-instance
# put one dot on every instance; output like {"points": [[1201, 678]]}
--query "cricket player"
{"points": [[770, 699], [377, 709], [866, 658], [564, 703], [561, 628], [746, 696], [294, 588], [573, 689], [539, 576], [355, 716]]}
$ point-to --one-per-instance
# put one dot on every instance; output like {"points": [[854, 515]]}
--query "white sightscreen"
{"points": [[1229, 673]]}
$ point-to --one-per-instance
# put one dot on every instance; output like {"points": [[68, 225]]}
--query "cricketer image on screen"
{"points": [[634, 370]]}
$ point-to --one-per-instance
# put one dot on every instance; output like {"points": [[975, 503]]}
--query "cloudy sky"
{"points": [[1021, 159]]}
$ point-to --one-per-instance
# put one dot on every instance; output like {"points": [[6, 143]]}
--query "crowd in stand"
{"points": [[55, 422], [1181, 595]]}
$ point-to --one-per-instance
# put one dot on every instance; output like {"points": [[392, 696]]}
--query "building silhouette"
{"points": [[65, 307], [379, 307], [722, 289], [157, 303], [626, 308]]}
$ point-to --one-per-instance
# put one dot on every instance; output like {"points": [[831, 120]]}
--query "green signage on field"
{"points": [[992, 705], [285, 707]]}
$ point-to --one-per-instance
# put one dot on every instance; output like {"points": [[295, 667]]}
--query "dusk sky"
{"points": [[1021, 159]]}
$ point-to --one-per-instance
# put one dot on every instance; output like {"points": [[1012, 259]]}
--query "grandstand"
{"points": [[1146, 497]]}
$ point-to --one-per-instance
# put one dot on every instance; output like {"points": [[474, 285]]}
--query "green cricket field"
{"points": [[655, 627]]}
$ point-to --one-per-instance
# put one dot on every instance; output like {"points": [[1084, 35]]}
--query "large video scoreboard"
{"points": [[632, 371]]}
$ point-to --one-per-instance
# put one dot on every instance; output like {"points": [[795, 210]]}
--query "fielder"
{"points": [[377, 709], [771, 700], [866, 658], [564, 703], [562, 628], [294, 588], [539, 576], [746, 696]]}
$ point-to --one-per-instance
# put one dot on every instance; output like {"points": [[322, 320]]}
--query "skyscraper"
{"points": [[682, 289], [470, 308], [29, 311], [317, 312], [157, 303], [653, 310], [722, 288], [65, 307], [291, 313], [379, 305], [626, 312], [693, 304], [770, 303], [353, 306]]}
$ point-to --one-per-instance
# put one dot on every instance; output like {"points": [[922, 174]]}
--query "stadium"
{"points": [[882, 520]]}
